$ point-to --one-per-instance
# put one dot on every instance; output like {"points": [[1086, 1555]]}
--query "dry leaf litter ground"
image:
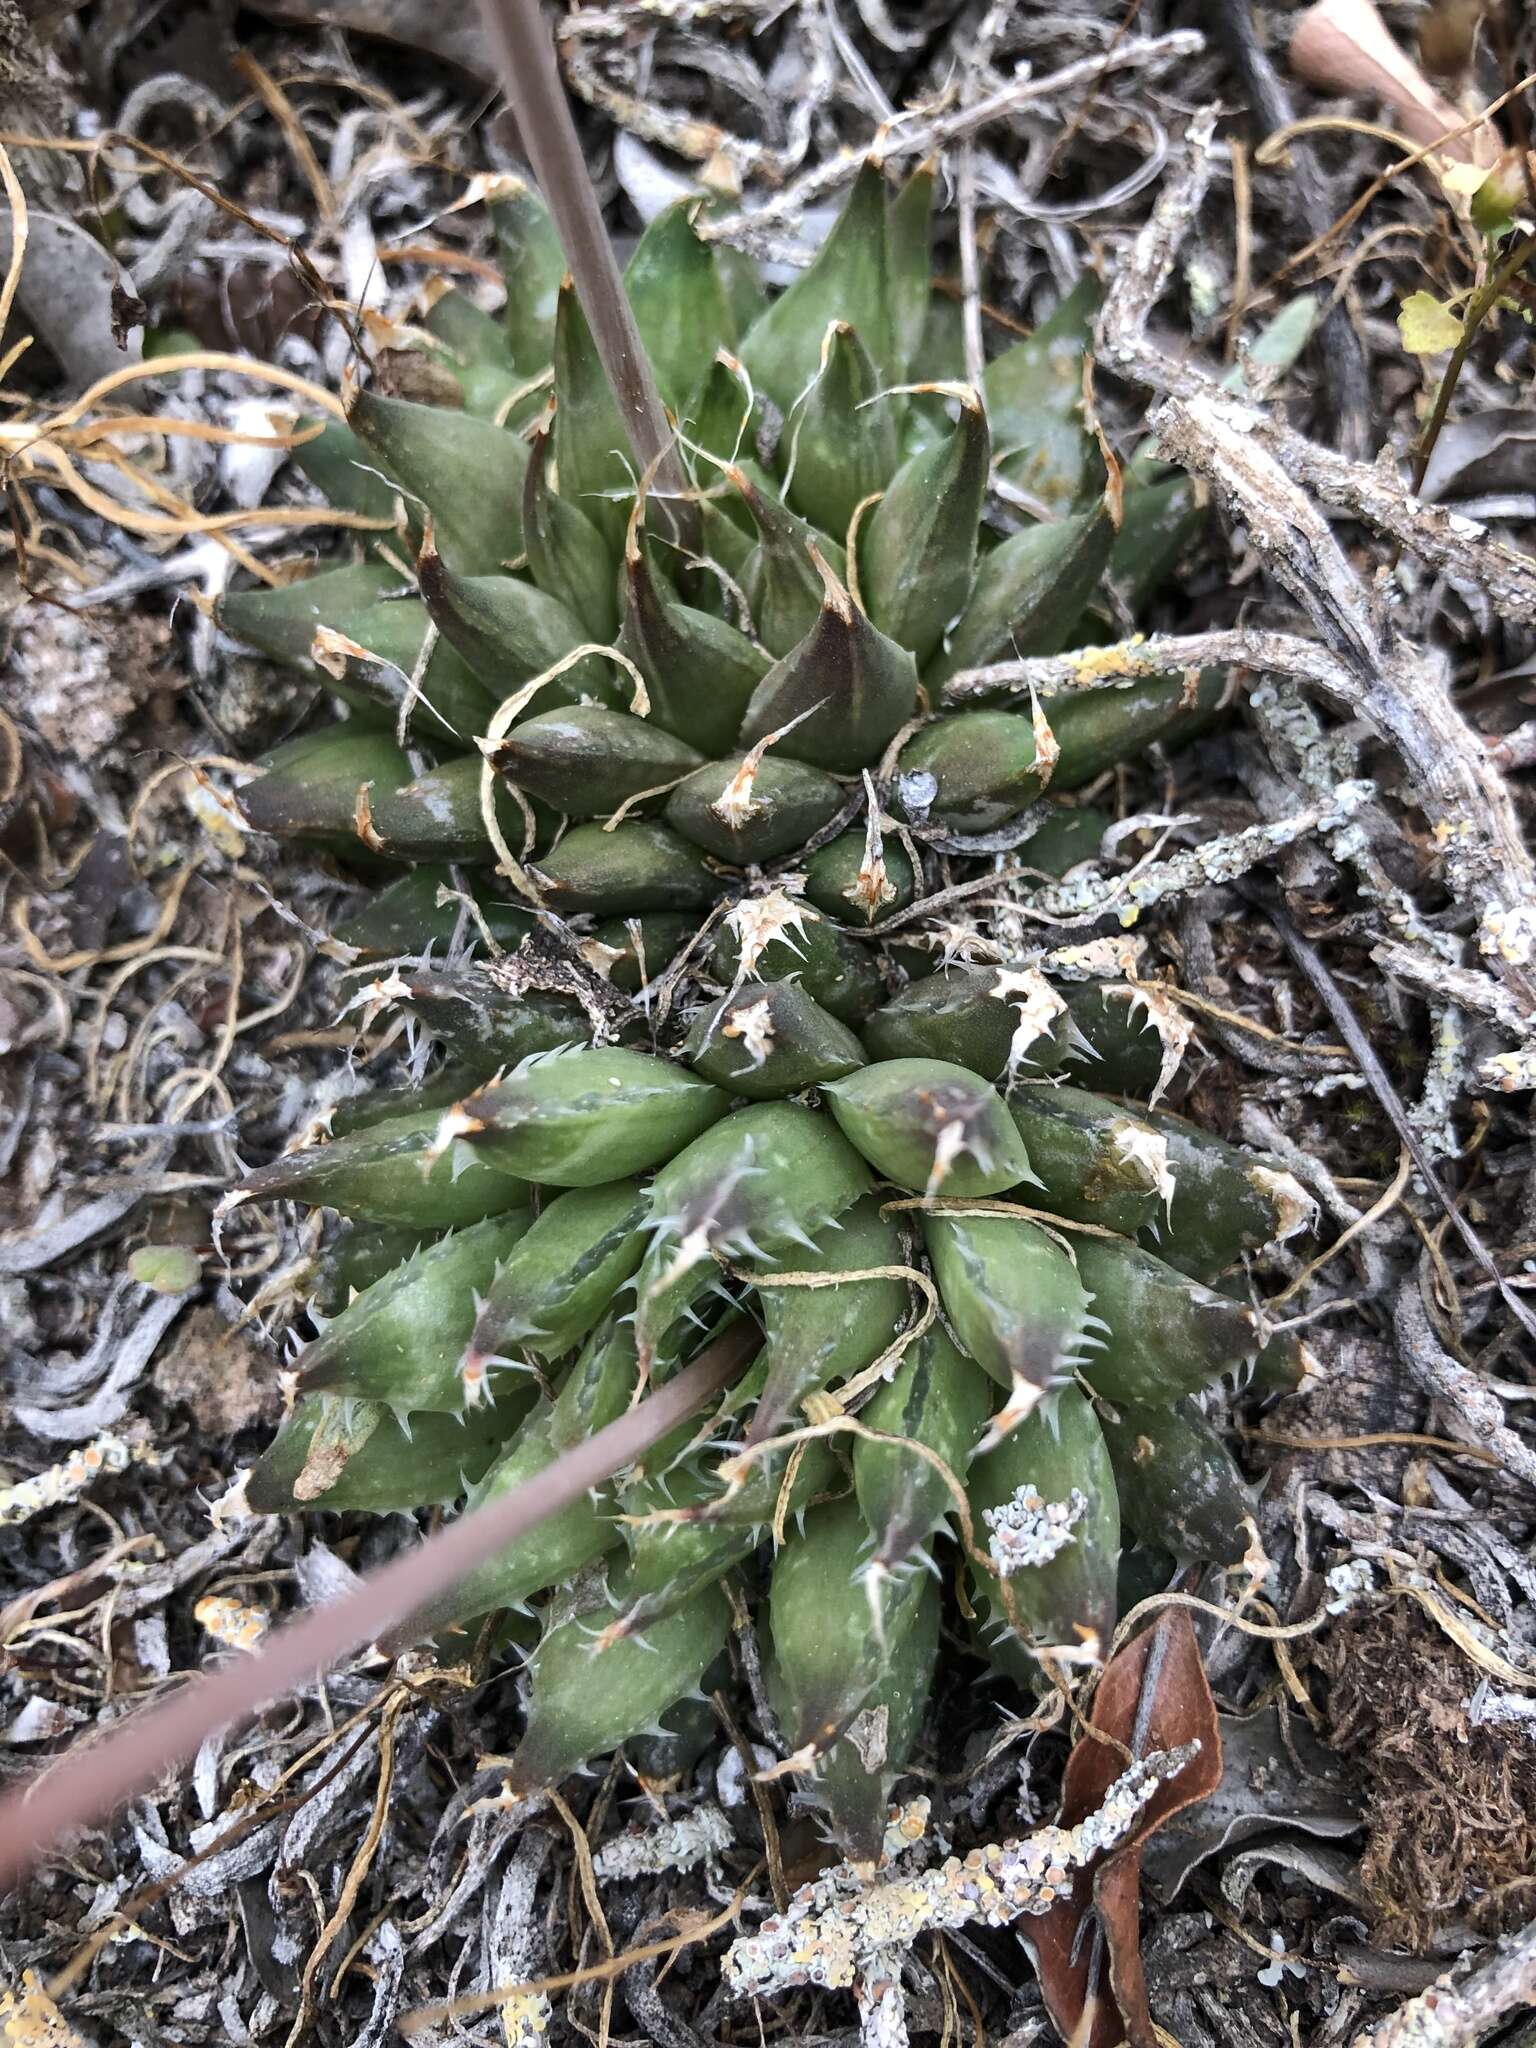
{"points": [[1357, 976]]}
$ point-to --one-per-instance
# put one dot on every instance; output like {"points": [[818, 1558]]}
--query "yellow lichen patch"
{"points": [[30, 2019], [1108, 664]]}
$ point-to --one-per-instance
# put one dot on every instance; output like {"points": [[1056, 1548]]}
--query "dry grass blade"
{"points": [[533, 86], [135, 1753]]}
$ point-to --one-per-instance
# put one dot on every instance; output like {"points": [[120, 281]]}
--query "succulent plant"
{"points": [[684, 868]]}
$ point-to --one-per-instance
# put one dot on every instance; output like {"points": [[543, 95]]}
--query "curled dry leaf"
{"points": [[1153, 1695], [66, 297], [1344, 46]]}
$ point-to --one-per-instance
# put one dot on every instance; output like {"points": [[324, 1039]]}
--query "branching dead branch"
{"points": [[1399, 689]]}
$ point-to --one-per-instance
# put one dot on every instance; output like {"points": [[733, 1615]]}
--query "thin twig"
{"points": [[532, 81]]}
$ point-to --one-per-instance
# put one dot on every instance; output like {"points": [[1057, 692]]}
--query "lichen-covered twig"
{"points": [[112, 1451], [1457, 2015], [1467, 1400], [700, 1836], [840, 1933], [1085, 896], [1390, 683], [921, 134]]}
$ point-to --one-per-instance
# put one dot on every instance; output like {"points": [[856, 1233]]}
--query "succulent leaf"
{"points": [[1044, 1506]]}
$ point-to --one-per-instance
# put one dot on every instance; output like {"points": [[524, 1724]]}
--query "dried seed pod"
{"points": [[839, 696], [376, 1462], [973, 771], [931, 1126], [1015, 1300], [1179, 1485], [565, 1271], [1044, 1505], [401, 1341], [994, 1020], [940, 1400], [587, 761], [393, 1173], [817, 1336], [769, 1039], [1167, 1335], [1095, 1162], [639, 865], [856, 882], [918, 547], [467, 472], [575, 1119]]}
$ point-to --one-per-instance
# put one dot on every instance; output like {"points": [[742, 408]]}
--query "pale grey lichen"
{"points": [[843, 1934], [698, 1837], [1030, 1530]]}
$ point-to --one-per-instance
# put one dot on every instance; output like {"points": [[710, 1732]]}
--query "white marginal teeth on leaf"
{"points": [[1295, 1209], [1030, 1530], [735, 806], [1171, 1024], [754, 1027], [1139, 1145], [378, 994], [872, 885], [453, 1123], [1037, 1003], [758, 920]]}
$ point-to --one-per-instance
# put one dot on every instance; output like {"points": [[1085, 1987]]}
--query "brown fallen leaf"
{"points": [[1087, 1949]]}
